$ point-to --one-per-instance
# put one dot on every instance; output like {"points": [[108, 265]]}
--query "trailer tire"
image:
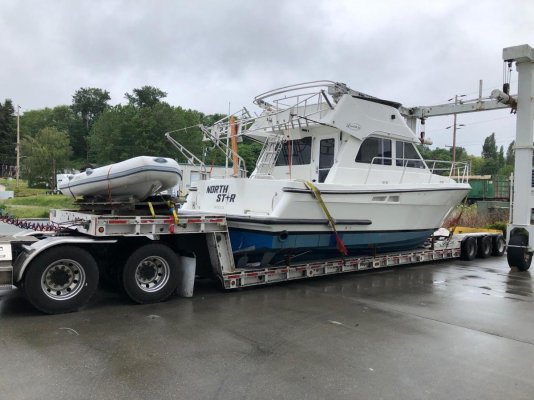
{"points": [[61, 280], [150, 274], [469, 249], [499, 246], [485, 246], [519, 256]]}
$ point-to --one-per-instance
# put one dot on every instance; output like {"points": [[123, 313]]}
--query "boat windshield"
{"points": [[407, 155], [375, 150]]}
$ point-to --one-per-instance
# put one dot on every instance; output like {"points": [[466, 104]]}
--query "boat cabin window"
{"points": [[326, 157], [300, 150], [407, 155], [375, 150]]}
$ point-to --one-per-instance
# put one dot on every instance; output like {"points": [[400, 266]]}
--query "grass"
{"points": [[470, 216], [30, 202], [37, 206], [22, 190]]}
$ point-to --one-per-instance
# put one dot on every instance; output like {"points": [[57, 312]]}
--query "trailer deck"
{"points": [[151, 257]]}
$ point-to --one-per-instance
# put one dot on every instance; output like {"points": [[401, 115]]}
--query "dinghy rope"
{"points": [[110, 199], [317, 195]]}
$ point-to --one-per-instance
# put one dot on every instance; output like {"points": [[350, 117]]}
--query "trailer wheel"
{"points": [[499, 246], [150, 274], [519, 256], [61, 280], [485, 246], [469, 249]]}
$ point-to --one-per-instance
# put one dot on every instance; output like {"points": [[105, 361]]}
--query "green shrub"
{"points": [[471, 216], [499, 225]]}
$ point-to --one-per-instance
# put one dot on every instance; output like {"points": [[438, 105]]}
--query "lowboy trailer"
{"points": [[151, 256]]}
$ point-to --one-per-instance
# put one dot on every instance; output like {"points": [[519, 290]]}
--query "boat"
{"points": [[137, 178], [339, 174]]}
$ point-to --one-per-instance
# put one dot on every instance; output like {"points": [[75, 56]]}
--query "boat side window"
{"points": [[300, 150], [326, 157], [408, 156], [375, 150]]}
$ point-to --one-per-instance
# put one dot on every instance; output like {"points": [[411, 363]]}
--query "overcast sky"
{"points": [[209, 54]]}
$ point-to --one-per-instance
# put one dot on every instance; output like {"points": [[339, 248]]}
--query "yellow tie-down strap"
{"points": [[151, 208], [317, 194], [172, 209]]}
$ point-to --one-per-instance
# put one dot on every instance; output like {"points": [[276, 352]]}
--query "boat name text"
{"points": [[222, 193], [354, 126], [217, 189]]}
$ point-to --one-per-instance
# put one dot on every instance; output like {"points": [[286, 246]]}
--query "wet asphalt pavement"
{"points": [[451, 330]]}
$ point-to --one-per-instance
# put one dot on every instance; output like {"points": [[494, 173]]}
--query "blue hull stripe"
{"points": [[247, 241]]}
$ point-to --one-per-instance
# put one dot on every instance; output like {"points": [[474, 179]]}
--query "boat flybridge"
{"points": [[339, 172]]}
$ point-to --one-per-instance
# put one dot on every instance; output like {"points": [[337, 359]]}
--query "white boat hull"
{"points": [[283, 216], [138, 177]]}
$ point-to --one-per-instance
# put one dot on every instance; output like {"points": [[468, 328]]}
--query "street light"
{"points": [[454, 126], [458, 127]]}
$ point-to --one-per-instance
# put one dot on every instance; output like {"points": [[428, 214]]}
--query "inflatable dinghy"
{"points": [[138, 177]]}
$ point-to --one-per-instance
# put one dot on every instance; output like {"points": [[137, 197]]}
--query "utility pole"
{"points": [[454, 133], [454, 130], [18, 146]]}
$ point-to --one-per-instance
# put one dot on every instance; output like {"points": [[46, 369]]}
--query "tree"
{"points": [[477, 163], [63, 119], [436, 154], [489, 148], [147, 96], [510, 154], [501, 157], [250, 151], [129, 131], [8, 133], [461, 154], [45, 154], [89, 103], [490, 156]]}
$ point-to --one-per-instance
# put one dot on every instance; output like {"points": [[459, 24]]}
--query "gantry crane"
{"points": [[520, 232]]}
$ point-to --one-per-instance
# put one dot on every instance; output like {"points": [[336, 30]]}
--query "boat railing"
{"points": [[220, 130], [288, 107], [192, 159], [334, 90], [295, 106], [291, 111], [224, 146], [294, 110], [458, 170]]}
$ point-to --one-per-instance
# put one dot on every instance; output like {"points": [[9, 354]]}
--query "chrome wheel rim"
{"points": [[63, 279], [152, 273]]}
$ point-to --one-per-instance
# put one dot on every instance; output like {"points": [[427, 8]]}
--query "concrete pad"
{"points": [[448, 330]]}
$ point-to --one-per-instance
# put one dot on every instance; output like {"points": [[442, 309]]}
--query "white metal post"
{"points": [[522, 208]]}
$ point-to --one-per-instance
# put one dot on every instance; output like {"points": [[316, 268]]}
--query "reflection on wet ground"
{"points": [[448, 330]]}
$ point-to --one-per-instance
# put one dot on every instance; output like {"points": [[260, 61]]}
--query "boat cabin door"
{"points": [[325, 158]]}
